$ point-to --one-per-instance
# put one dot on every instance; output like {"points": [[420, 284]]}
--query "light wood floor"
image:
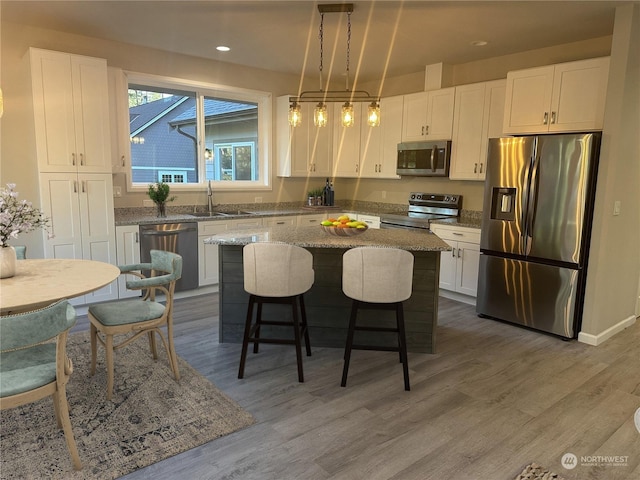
{"points": [[493, 399]]}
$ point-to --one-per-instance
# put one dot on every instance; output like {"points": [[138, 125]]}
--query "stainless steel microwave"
{"points": [[424, 159]]}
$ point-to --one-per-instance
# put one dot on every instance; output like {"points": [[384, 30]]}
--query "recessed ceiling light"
{"points": [[222, 48], [478, 43]]}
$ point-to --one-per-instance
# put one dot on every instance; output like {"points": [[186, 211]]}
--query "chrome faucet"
{"points": [[209, 198]]}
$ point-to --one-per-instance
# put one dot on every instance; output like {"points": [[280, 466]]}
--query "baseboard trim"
{"points": [[601, 337], [459, 297]]}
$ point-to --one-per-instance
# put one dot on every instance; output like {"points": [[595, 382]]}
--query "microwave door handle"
{"points": [[434, 158]]}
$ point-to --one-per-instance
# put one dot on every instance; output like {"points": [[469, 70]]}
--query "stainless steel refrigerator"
{"points": [[538, 204]]}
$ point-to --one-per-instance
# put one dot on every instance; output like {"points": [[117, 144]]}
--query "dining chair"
{"points": [[138, 316], [34, 363], [377, 278], [276, 273], [21, 252]]}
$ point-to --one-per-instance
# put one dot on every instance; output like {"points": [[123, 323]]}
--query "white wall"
{"points": [[614, 260]]}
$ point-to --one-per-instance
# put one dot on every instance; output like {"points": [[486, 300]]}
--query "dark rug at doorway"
{"points": [[537, 472], [151, 417]]}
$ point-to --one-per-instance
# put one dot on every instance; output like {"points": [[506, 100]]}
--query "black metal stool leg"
{"points": [[403, 345], [305, 326], [296, 333], [245, 340], [256, 342], [347, 348]]}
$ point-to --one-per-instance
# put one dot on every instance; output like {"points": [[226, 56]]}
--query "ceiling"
{"points": [[388, 38]]}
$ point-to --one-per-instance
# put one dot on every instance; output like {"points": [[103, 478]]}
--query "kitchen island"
{"points": [[327, 307]]}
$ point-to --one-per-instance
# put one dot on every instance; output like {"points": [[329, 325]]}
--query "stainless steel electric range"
{"points": [[423, 208]]}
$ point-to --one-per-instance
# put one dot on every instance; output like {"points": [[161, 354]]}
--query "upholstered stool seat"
{"points": [[276, 273], [377, 278]]}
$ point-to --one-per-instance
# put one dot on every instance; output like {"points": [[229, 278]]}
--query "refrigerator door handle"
{"points": [[531, 203], [526, 186]]}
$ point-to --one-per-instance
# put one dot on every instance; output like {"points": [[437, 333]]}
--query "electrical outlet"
{"points": [[117, 192], [257, 200], [147, 203]]}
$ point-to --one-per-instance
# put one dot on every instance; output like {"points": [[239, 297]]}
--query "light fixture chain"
{"points": [[348, 45], [321, 36]]}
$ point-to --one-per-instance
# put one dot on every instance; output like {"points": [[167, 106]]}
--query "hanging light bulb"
{"points": [[295, 115], [347, 114], [320, 115], [373, 114]]}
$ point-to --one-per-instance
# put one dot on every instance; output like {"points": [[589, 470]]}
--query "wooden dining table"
{"points": [[40, 282]]}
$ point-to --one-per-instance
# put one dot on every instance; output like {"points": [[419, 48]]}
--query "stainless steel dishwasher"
{"points": [[180, 238]]}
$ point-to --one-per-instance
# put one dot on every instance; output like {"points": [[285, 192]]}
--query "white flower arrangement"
{"points": [[18, 216]]}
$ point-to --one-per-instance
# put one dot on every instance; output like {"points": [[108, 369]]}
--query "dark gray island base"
{"points": [[327, 307]]}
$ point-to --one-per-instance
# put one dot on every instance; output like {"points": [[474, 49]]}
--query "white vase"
{"points": [[7, 262]]}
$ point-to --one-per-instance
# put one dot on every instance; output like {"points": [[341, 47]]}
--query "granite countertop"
{"points": [[315, 237], [463, 221]]}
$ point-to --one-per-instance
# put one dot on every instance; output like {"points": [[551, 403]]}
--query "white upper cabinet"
{"points": [[557, 98], [346, 141], [71, 112], [428, 115], [379, 145], [303, 151], [478, 112]]}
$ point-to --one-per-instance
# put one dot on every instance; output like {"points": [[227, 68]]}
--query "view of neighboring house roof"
{"points": [[213, 108]]}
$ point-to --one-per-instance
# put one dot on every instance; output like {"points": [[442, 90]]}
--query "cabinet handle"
{"points": [[75, 186], [123, 160], [84, 187], [553, 117], [379, 168], [81, 159], [458, 234], [73, 159], [357, 168], [545, 118], [459, 253], [427, 129], [453, 253], [137, 238], [481, 164], [423, 130], [475, 168]]}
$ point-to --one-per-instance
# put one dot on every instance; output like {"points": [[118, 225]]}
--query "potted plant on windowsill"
{"points": [[16, 217], [159, 193]]}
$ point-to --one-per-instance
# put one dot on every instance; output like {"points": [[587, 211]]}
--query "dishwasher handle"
{"points": [[164, 233]]}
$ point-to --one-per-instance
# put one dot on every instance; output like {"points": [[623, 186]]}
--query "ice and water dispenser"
{"points": [[503, 202]]}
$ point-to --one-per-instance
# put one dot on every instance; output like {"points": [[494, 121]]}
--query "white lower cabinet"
{"points": [[80, 207], [459, 268], [311, 220], [289, 220], [208, 253], [127, 253], [372, 221]]}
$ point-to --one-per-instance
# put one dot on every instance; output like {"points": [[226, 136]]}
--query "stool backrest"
{"points": [[277, 269], [377, 275]]}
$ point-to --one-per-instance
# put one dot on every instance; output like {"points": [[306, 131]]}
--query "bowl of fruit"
{"points": [[343, 226]]}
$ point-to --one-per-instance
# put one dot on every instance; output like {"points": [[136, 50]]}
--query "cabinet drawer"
{"points": [[310, 220], [463, 234], [211, 228], [275, 221]]}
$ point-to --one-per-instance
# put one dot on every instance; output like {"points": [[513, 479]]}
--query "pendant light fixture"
{"points": [[347, 97]]}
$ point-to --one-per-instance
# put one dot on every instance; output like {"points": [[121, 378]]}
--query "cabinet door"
{"points": [[493, 120], [292, 143], [372, 221], [414, 116], [440, 114], [59, 198], [320, 144], [208, 272], [579, 91], [468, 261], [98, 227], [91, 112], [379, 145], [468, 134], [527, 100], [346, 143], [448, 266], [127, 253]]}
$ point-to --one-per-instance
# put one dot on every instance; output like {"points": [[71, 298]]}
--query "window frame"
{"points": [[202, 89]]}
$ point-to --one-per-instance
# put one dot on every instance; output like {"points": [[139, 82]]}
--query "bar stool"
{"points": [[276, 273], [377, 278]]}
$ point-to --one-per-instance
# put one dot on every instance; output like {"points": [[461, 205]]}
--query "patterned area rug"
{"points": [[151, 417], [537, 472]]}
